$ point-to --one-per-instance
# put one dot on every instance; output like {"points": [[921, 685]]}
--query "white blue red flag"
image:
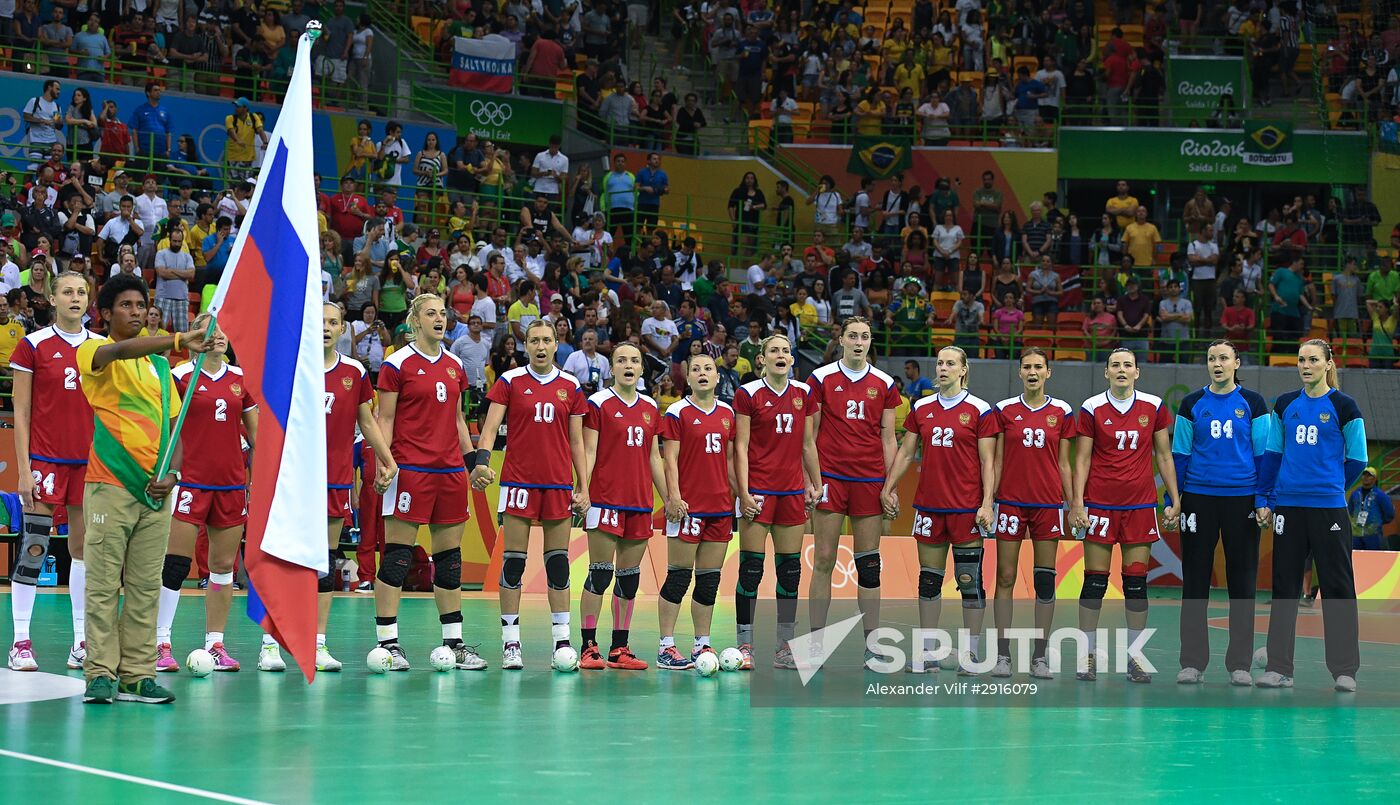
{"points": [[485, 65], [268, 303]]}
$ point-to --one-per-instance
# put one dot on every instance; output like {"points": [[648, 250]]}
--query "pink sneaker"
{"points": [[223, 661], [22, 657], [165, 661]]}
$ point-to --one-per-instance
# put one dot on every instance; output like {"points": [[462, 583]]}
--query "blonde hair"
{"points": [[1331, 376], [416, 307], [967, 370], [544, 323], [763, 345]]}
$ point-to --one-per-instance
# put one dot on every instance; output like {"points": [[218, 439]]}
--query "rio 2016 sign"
{"points": [[1199, 82], [1253, 154]]}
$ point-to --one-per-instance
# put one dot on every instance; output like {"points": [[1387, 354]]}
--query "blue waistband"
{"points": [[433, 470], [207, 488], [67, 461]]}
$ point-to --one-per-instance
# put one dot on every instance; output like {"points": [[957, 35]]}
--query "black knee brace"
{"points": [[600, 576], [326, 584], [628, 580], [677, 582], [1095, 586], [447, 569], [788, 568], [393, 565], [750, 572], [930, 584], [868, 569], [1044, 585], [967, 570], [1134, 590], [556, 569], [512, 569], [706, 586], [34, 548], [176, 570]]}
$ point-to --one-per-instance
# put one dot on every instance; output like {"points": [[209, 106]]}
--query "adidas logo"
{"points": [[768, 405], [529, 391], [617, 415], [58, 354], [202, 388], [1019, 417], [421, 372], [1054, 529], [838, 388], [695, 422], [1151, 532], [1108, 422], [1335, 527]]}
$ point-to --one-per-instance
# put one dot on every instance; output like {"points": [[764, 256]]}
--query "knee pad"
{"points": [[868, 570], [556, 569], [34, 549], [1135, 587], [788, 568], [677, 582], [967, 571], [750, 572], [1095, 586], [326, 584], [447, 569], [1044, 585], [512, 569], [706, 586], [628, 580], [600, 576], [175, 571], [393, 566], [930, 584]]}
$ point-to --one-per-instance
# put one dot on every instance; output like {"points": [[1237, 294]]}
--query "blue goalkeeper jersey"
{"points": [[1317, 449], [1219, 443]]}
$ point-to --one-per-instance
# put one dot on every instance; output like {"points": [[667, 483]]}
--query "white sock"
{"points": [[320, 641], [165, 614], [77, 594], [702, 641], [559, 626], [453, 631], [976, 641], [268, 640], [210, 638], [1092, 640], [1133, 635], [668, 642], [509, 634], [22, 603], [386, 631]]}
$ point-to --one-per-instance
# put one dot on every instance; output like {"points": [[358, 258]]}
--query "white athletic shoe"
{"points": [[324, 660], [270, 658], [1241, 679], [77, 655], [22, 657], [467, 658], [1273, 679], [928, 666], [398, 661], [965, 662], [1345, 684], [1040, 669], [1190, 676], [511, 657], [1002, 670]]}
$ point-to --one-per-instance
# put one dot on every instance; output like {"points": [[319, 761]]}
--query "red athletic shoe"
{"points": [[747, 651], [623, 659], [591, 659]]}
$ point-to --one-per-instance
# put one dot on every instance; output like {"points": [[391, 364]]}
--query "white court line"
{"points": [[127, 778]]}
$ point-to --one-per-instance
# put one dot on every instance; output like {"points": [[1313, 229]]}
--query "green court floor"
{"points": [[540, 736]]}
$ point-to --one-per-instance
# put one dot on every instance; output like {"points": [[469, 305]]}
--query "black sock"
{"points": [[590, 636], [1003, 647], [619, 638], [1038, 648]]}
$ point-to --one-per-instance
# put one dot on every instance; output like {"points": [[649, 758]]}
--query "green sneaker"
{"points": [[145, 691], [100, 690]]}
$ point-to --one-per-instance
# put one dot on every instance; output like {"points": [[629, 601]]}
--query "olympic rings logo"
{"points": [[490, 112], [843, 573]]}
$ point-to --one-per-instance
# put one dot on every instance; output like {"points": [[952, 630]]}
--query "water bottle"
{"points": [[48, 574]]}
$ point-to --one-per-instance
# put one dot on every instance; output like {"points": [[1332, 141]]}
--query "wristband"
{"points": [[482, 458], [176, 347]]}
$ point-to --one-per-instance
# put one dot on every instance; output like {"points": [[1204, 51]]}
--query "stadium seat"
{"points": [[1283, 360], [1045, 339]]}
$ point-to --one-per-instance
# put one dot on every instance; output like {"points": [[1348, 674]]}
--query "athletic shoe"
{"points": [[1309, 599], [100, 690], [1241, 679], [965, 662], [1136, 674], [398, 661], [623, 659], [165, 661], [747, 651], [869, 660], [22, 656], [1273, 679], [270, 658], [145, 691], [324, 660], [929, 666], [591, 659], [783, 659], [467, 658], [1002, 669], [204, 583], [77, 655], [1345, 684], [511, 658], [223, 661], [365, 587], [1040, 669], [1090, 672], [1191, 676], [694, 655], [669, 659]]}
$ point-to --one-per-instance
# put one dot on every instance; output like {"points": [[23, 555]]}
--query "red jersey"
{"points": [[537, 420], [1030, 452], [852, 404], [622, 466], [1120, 469], [60, 420], [213, 434], [776, 424], [347, 388], [703, 463], [950, 477], [428, 409]]}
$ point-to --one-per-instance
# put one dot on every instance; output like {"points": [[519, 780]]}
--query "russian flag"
{"points": [[486, 64], [269, 304]]}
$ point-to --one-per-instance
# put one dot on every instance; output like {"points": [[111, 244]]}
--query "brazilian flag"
{"points": [[880, 157], [1268, 143]]}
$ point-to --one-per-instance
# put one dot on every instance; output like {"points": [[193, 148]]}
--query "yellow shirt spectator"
{"points": [[870, 117], [197, 235], [11, 333], [910, 77], [241, 129], [1141, 242], [805, 313], [1122, 210]]}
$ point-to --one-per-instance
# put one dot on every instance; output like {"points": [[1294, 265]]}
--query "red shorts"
{"points": [[1122, 526], [427, 498], [215, 508], [536, 504], [783, 510], [337, 503], [621, 523], [851, 498], [1016, 522], [946, 528], [58, 484], [702, 529]]}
